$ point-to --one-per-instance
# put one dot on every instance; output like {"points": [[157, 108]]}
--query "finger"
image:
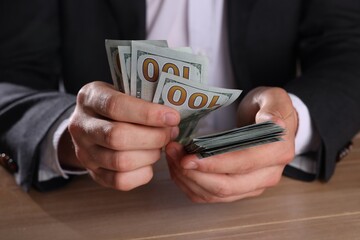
{"points": [[84, 157], [124, 136], [122, 181], [268, 103], [106, 101], [274, 102], [123, 161], [227, 185], [276, 105], [200, 195], [178, 181], [194, 192], [175, 151], [242, 161]]}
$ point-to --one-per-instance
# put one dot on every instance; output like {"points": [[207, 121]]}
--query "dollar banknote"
{"points": [[111, 47], [193, 100], [125, 64], [149, 61], [112, 51], [236, 139]]}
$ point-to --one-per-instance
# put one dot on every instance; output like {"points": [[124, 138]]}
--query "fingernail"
{"points": [[264, 116], [174, 133], [170, 119], [190, 165]]}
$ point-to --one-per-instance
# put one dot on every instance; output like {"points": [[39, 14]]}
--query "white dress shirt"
{"points": [[201, 25]]}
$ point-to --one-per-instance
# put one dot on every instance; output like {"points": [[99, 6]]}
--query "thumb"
{"points": [[275, 105], [264, 115]]}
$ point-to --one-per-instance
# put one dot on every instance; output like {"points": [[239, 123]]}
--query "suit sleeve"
{"points": [[329, 85], [30, 101]]}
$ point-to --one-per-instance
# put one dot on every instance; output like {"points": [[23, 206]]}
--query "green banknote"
{"points": [[117, 72], [149, 61], [192, 100]]}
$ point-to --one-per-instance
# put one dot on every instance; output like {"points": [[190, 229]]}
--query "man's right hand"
{"points": [[117, 137]]}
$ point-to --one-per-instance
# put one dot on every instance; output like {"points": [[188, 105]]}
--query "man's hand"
{"points": [[117, 137], [245, 173]]}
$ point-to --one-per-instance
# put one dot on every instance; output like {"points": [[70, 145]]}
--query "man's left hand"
{"points": [[245, 173]]}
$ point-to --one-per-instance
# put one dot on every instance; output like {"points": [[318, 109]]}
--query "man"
{"points": [[117, 138]]}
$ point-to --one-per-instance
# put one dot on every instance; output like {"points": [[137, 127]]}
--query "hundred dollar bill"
{"points": [[236, 139], [125, 63], [149, 61], [192, 100], [114, 60]]}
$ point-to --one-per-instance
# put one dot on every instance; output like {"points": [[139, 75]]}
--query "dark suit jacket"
{"points": [[43, 41]]}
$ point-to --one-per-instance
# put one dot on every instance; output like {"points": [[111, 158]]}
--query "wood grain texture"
{"points": [[84, 210]]}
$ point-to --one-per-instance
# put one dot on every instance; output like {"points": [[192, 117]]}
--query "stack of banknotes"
{"points": [[235, 139], [177, 78]]}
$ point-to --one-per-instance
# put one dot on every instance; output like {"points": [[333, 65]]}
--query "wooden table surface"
{"points": [[84, 210]]}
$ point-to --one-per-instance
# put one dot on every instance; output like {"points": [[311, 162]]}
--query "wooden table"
{"points": [[84, 210]]}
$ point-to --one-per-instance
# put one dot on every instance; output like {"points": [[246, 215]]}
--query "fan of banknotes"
{"points": [[177, 78]]}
